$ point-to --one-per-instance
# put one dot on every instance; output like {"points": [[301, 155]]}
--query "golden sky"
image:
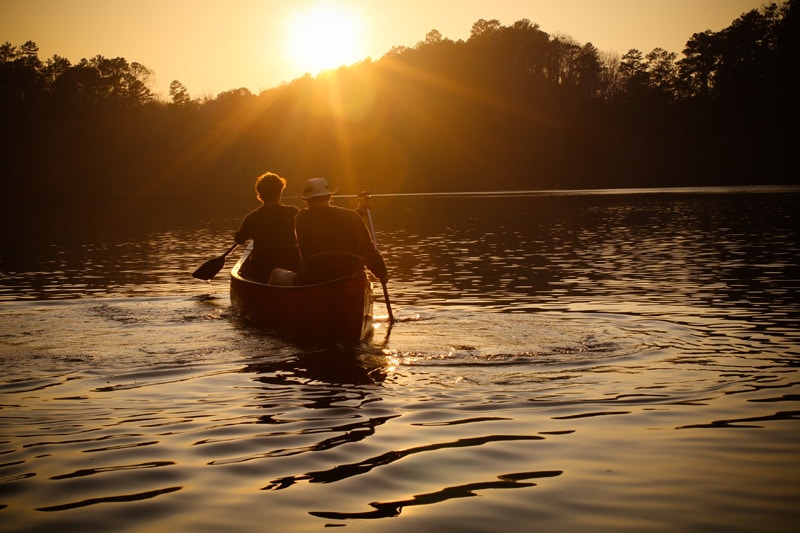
{"points": [[212, 45]]}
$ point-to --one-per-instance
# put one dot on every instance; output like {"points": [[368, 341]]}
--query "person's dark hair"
{"points": [[269, 187]]}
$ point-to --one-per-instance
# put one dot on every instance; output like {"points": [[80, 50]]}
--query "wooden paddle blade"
{"points": [[210, 268]]}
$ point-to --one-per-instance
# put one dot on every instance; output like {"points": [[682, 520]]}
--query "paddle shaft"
{"points": [[383, 283], [229, 250]]}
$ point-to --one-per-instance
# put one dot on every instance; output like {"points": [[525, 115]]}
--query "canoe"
{"points": [[339, 310]]}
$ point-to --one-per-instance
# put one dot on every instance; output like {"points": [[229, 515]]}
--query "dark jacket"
{"points": [[336, 230], [271, 227]]}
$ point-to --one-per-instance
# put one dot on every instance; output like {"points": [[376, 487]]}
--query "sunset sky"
{"points": [[212, 46]]}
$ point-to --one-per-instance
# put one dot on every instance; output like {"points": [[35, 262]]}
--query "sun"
{"points": [[325, 36]]}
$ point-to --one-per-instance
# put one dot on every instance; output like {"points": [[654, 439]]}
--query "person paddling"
{"points": [[271, 227], [333, 241]]}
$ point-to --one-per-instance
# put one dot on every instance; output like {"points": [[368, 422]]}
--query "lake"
{"points": [[620, 360]]}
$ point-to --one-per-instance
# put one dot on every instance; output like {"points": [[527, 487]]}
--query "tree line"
{"points": [[511, 107]]}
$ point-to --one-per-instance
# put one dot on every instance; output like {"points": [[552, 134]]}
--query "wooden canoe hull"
{"points": [[334, 311]]}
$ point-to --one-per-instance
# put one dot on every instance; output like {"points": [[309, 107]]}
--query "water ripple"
{"points": [[93, 471], [109, 499], [588, 346], [394, 508], [341, 472]]}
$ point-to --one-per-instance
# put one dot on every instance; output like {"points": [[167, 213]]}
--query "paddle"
{"points": [[211, 268], [365, 196]]}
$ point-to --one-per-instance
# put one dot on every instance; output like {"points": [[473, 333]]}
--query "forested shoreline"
{"points": [[510, 108]]}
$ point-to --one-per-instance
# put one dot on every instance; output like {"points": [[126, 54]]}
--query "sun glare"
{"points": [[324, 37]]}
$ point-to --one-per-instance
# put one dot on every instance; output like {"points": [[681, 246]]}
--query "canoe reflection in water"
{"points": [[331, 365]]}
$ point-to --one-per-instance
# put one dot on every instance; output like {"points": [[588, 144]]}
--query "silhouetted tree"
{"points": [[54, 67], [662, 71], [179, 94], [20, 73], [696, 69], [431, 38], [563, 61], [483, 27], [633, 72], [588, 70], [530, 48], [610, 82], [742, 59]]}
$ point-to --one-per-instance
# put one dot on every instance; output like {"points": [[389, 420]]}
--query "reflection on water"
{"points": [[699, 251], [153, 264], [623, 362], [389, 509]]}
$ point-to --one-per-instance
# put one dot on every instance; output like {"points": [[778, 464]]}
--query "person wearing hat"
{"points": [[333, 240], [271, 227]]}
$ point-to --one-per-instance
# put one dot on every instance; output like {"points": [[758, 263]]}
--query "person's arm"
{"points": [[377, 266], [372, 257], [243, 234]]}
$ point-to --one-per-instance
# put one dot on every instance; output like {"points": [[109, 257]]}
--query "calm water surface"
{"points": [[573, 362]]}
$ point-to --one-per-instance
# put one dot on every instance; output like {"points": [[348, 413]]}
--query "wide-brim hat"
{"points": [[316, 188]]}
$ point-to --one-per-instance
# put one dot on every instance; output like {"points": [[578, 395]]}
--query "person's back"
{"points": [[271, 227], [331, 237], [330, 229]]}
